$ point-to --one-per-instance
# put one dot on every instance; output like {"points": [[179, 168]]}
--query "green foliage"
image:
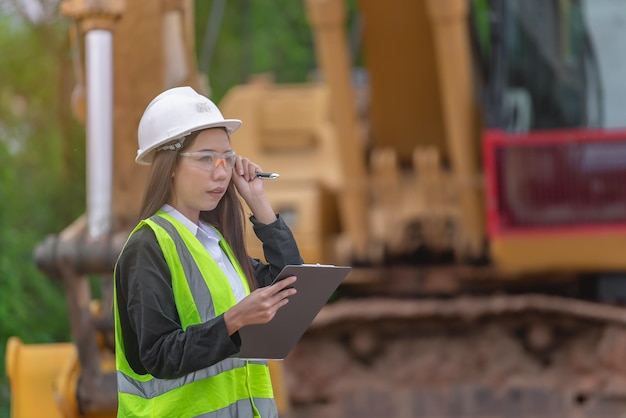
{"points": [[41, 179], [257, 37]]}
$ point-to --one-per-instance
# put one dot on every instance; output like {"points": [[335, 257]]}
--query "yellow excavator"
{"points": [[472, 173]]}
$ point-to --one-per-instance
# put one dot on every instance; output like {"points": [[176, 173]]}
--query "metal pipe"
{"points": [[176, 69], [86, 256], [99, 69]]}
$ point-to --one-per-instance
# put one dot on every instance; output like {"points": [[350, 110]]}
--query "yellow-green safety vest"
{"points": [[231, 388]]}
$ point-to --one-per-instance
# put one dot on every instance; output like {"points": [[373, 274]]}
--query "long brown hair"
{"points": [[228, 217]]}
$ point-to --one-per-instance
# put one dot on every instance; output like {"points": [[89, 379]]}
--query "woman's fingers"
{"points": [[246, 168], [282, 289], [281, 284], [276, 296]]}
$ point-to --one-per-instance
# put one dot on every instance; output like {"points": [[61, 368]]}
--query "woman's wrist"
{"points": [[231, 322], [262, 210]]}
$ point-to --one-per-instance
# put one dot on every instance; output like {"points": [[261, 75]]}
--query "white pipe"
{"points": [[176, 70], [99, 68]]}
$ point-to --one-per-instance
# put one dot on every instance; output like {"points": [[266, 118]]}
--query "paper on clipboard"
{"points": [[275, 339]]}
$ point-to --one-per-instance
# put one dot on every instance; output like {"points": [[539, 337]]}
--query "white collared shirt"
{"points": [[209, 238]]}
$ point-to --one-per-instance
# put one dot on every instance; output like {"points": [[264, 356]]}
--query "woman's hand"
{"points": [[250, 187], [260, 306], [244, 176]]}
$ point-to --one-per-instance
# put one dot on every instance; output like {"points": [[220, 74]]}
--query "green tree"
{"points": [[255, 37], [41, 176]]}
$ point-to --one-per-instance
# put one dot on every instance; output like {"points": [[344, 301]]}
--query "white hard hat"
{"points": [[172, 116]]}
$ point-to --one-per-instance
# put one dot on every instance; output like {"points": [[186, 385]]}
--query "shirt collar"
{"points": [[174, 213], [192, 227]]}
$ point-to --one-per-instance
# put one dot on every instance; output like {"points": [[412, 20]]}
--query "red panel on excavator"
{"points": [[555, 181]]}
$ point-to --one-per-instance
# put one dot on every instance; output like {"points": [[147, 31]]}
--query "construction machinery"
{"points": [[472, 173]]}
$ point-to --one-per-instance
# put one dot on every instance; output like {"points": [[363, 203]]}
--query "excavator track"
{"points": [[523, 356]]}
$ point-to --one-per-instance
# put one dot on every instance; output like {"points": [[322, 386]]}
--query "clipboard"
{"points": [[275, 339]]}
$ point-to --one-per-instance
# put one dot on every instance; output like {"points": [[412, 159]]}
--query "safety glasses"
{"points": [[210, 160]]}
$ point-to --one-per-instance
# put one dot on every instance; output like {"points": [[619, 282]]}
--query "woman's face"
{"points": [[202, 173]]}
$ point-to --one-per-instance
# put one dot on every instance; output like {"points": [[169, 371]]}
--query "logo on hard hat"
{"points": [[203, 107]]}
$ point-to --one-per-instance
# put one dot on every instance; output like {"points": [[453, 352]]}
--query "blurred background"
{"points": [[466, 157]]}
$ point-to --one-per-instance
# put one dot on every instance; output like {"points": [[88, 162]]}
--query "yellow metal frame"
{"points": [[563, 252], [33, 371]]}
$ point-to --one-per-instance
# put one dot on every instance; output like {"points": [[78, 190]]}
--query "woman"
{"points": [[184, 283]]}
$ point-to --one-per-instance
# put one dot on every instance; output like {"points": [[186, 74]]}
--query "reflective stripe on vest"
{"points": [[233, 387], [157, 387]]}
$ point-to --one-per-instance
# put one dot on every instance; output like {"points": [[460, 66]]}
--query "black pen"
{"points": [[263, 175]]}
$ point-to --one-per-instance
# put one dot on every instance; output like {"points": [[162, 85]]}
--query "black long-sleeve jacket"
{"points": [[154, 341]]}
